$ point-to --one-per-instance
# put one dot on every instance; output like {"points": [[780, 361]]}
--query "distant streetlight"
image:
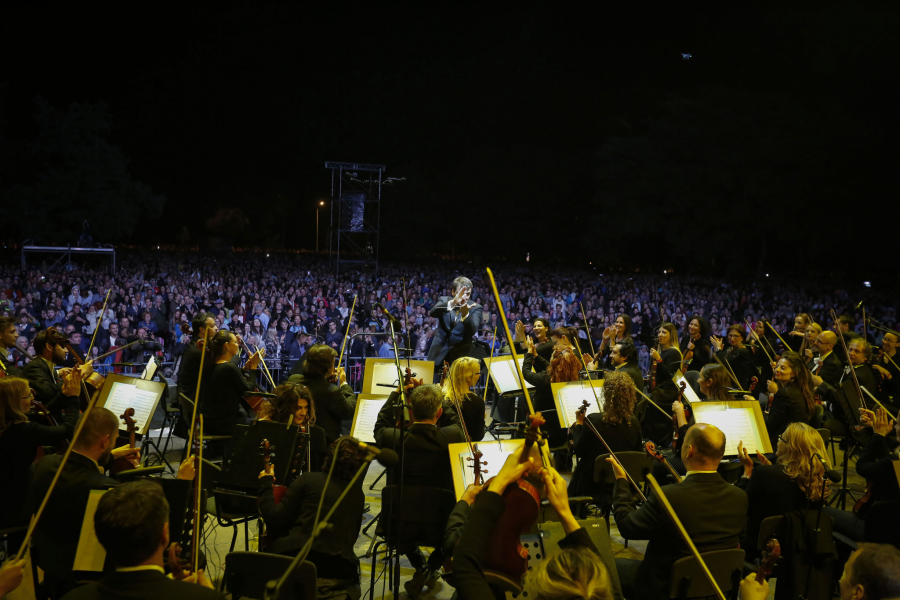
{"points": [[321, 203]]}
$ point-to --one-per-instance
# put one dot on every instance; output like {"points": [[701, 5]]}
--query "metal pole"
{"points": [[317, 230]]}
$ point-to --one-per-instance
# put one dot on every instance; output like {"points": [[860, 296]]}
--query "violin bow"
{"points": [[728, 370], [197, 393], [587, 331], [97, 326], [650, 400], [347, 333], [840, 336], [59, 470], [487, 379], [457, 401], [542, 447], [262, 360], [600, 437], [786, 347], [684, 534], [759, 341]]}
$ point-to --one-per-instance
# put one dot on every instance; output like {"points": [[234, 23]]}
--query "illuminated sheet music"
{"points": [[367, 408], [504, 373], [384, 371], [738, 424], [123, 396], [569, 397], [494, 454], [689, 392]]}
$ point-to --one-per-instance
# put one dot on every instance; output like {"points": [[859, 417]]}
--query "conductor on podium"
{"points": [[458, 320]]}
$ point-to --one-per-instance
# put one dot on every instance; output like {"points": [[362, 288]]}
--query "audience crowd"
{"points": [[286, 304]]}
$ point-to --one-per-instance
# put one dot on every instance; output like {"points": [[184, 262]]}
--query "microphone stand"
{"points": [[279, 590], [399, 412]]}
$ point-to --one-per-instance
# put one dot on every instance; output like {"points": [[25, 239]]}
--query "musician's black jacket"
{"points": [[291, 521], [18, 446], [831, 369], [142, 585], [475, 539], [452, 340], [876, 464], [788, 407], [222, 397], [189, 371], [741, 362], [426, 461], [542, 399], [334, 403]]}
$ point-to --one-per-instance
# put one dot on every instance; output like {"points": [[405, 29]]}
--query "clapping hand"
{"points": [[883, 424], [529, 346], [717, 342]]}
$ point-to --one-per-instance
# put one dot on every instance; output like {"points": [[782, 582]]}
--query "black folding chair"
{"points": [[248, 573]]}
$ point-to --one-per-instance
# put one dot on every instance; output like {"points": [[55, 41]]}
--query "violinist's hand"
{"points": [[745, 459], [269, 471], [678, 409], [883, 424], [186, 470], [772, 387], [86, 369], [204, 580], [885, 374], [579, 417], [11, 575], [341, 375], [866, 417], [654, 354], [127, 452], [816, 380], [64, 371], [617, 468], [751, 590], [749, 398], [72, 384], [512, 470], [773, 365], [470, 493], [717, 342], [762, 458], [808, 353], [556, 490], [690, 344], [520, 331]]}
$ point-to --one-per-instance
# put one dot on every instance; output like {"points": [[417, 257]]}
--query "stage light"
{"points": [[867, 283]]}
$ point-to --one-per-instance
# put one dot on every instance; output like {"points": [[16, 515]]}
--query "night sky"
{"points": [[534, 128]]}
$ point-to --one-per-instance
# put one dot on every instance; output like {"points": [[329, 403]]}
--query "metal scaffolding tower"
{"points": [[355, 214]]}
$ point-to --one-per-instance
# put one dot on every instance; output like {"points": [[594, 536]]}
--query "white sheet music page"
{"points": [[738, 424], [384, 373], [366, 414], [689, 392], [493, 457], [124, 396], [571, 398], [501, 371]]}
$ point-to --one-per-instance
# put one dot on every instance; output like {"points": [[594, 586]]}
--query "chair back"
{"points": [[640, 409], [689, 580], [248, 573], [636, 464], [424, 516], [826, 435], [187, 408]]}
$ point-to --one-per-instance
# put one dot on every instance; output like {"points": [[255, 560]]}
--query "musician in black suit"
{"points": [[203, 326], [426, 461], [334, 399], [56, 535], [458, 320], [624, 358], [132, 524], [42, 377], [826, 365], [712, 511]]}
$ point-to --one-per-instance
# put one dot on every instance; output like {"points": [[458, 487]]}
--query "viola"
{"points": [[651, 450], [506, 561], [770, 556], [126, 464]]}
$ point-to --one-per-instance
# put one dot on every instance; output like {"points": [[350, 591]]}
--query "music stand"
{"points": [[121, 392]]}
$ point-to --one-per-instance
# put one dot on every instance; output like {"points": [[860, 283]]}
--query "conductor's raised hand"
{"points": [[512, 470]]}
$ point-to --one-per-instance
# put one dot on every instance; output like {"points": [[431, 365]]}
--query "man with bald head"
{"points": [[712, 511], [826, 365]]}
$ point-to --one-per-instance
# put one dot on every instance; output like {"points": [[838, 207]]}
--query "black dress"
{"points": [[542, 398], [223, 396], [18, 447], [788, 406], [472, 408], [623, 437]]}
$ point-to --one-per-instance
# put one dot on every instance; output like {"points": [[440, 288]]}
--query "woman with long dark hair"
{"points": [[564, 366], [223, 397], [292, 405], [792, 395]]}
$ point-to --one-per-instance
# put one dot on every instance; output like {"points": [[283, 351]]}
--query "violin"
{"points": [[681, 387], [689, 355], [267, 451], [652, 452], [94, 381], [652, 373], [753, 382], [506, 560], [770, 555], [403, 419], [126, 464]]}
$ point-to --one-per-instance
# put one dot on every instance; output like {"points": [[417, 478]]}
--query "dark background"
{"points": [[573, 136]]}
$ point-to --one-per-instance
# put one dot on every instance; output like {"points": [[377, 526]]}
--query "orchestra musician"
{"points": [[56, 534], [564, 366], [737, 356], [541, 335], [575, 571], [291, 521], [20, 439], [42, 376], [794, 482], [826, 364], [807, 349], [793, 395], [426, 461], [132, 525], [796, 336], [203, 327], [464, 373], [712, 511], [616, 424], [886, 365], [293, 404], [458, 320], [8, 336], [223, 397], [334, 399], [620, 333]]}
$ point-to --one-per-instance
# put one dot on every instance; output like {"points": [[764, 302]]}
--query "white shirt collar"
{"points": [[697, 472], [141, 568]]}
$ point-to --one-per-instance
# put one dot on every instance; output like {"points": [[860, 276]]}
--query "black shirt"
{"points": [[622, 437], [222, 398]]}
